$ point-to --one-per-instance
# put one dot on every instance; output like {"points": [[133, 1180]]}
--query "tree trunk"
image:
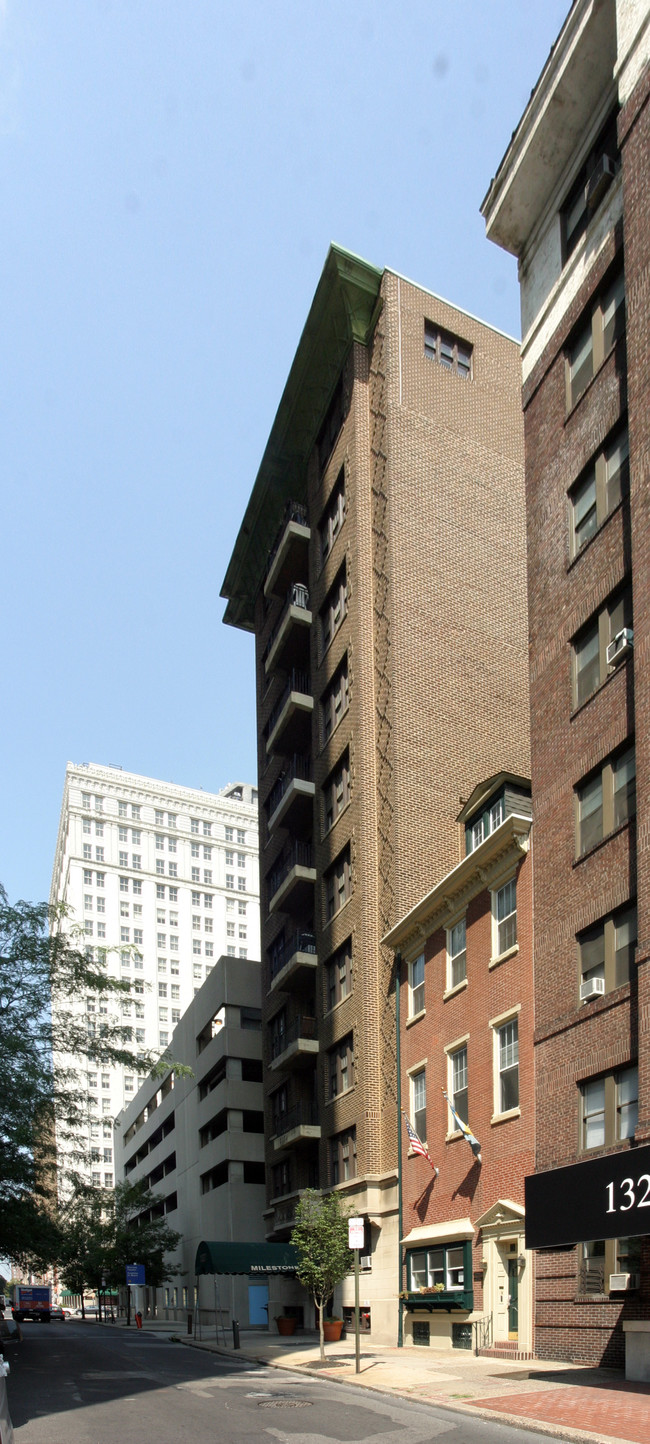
{"points": [[83, 1306], [321, 1306]]}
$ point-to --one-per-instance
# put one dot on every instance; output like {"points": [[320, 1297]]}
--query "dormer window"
{"points": [[486, 823]]}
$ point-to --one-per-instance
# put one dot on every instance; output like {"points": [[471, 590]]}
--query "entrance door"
{"points": [[258, 1304], [513, 1299]]}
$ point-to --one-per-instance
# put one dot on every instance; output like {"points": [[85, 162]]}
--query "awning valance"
{"points": [[246, 1258]]}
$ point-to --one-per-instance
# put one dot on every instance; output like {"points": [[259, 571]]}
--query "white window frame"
{"points": [[497, 954], [451, 986], [499, 1115], [414, 1012], [419, 1070], [450, 1050]]}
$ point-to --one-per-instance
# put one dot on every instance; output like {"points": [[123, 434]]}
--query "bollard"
{"points": [[189, 1323], [235, 1333]]}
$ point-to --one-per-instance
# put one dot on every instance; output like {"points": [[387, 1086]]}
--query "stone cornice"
{"points": [[481, 869]]}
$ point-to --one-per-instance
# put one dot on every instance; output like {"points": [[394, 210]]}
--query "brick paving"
{"points": [[616, 1409]]}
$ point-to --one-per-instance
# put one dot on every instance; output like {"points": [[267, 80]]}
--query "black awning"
{"points": [[246, 1258]]}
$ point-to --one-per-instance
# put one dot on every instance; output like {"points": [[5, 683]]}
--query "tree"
{"points": [[103, 1230], [320, 1235], [44, 971]]}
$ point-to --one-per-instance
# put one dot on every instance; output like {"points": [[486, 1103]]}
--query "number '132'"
{"points": [[627, 1186]]}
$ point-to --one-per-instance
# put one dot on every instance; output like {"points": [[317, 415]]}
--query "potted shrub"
{"points": [[285, 1325], [332, 1330]]}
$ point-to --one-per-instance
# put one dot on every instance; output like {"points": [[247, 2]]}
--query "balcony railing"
{"points": [[302, 1115], [297, 596], [297, 682], [300, 942], [298, 766], [293, 511], [300, 854], [299, 1028]]}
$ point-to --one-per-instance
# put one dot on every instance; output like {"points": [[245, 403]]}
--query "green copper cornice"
{"points": [[344, 309]]}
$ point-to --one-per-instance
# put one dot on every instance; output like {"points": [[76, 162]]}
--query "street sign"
{"points": [[606, 1197], [356, 1233], [135, 1274]]}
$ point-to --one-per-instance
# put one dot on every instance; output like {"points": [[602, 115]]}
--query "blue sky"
{"points": [[172, 174]]}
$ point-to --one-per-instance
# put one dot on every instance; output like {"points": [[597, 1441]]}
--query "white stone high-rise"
{"points": [[164, 879]]}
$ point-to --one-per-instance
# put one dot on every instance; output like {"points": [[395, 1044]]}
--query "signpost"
{"points": [[356, 1240], [134, 1278]]}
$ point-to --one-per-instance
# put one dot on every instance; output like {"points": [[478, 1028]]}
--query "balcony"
{"points": [[294, 962], [289, 551], [290, 801], [298, 1125], [288, 644], [289, 724], [291, 884], [297, 1044]]}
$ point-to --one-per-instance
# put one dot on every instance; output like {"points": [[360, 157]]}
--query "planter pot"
{"points": [[332, 1330], [286, 1326]]}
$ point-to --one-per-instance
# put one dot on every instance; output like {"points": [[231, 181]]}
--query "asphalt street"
{"points": [[78, 1383]]}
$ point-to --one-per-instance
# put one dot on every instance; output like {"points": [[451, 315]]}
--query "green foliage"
{"points": [[320, 1235], [44, 971], [103, 1230]]}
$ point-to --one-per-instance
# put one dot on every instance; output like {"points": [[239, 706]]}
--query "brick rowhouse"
{"points": [[467, 1023], [391, 673], [570, 199]]}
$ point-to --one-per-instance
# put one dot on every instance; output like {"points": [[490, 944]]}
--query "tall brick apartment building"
{"points": [[571, 201], [466, 1029], [381, 565]]}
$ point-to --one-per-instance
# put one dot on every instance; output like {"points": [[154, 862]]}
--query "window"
{"points": [[336, 792], [229, 834], [458, 1084], [456, 954], [207, 876], [333, 611], [160, 840], [230, 880], [171, 819], [88, 902], [593, 340], [230, 951], [333, 517], [128, 1083], [124, 935], [241, 859], [599, 490], [176, 1015], [173, 895], [194, 825], [173, 942], [343, 1156], [195, 849], [242, 930], [101, 904], [335, 701], [209, 950], [241, 884], [504, 908], [85, 799], [86, 825], [207, 829], [208, 925], [416, 986], [159, 817], [230, 930], [162, 990], [331, 426], [449, 351], [196, 945], [172, 844], [99, 829], [241, 907], [419, 1103], [196, 874], [507, 1044], [101, 930], [99, 854], [88, 877], [341, 1067], [161, 940], [337, 885], [173, 869], [135, 812], [99, 804], [606, 800], [482, 825], [137, 937], [446, 1265], [609, 1108], [230, 857], [590, 186], [241, 835], [589, 649], [606, 950], [87, 852]]}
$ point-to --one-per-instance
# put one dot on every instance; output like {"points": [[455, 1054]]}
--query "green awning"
{"points": [[246, 1258]]}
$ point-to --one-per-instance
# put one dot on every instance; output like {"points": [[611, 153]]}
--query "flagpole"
{"points": [[398, 979]]}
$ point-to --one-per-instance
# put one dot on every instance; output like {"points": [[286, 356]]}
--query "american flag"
{"points": [[416, 1143]]}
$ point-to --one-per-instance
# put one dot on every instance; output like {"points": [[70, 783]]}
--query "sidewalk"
{"points": [[567, 1401]]}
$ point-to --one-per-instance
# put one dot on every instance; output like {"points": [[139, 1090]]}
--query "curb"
{"points": [[471, 1411]]}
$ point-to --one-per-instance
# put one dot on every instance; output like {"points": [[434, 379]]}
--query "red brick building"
{"points": [[571, 200], [466, 1011]]}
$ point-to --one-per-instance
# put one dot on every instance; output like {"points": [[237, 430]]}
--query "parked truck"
{"points": [[32, 1301]]}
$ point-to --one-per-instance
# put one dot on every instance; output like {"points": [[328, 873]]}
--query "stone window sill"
{"points": [[503, 957]]}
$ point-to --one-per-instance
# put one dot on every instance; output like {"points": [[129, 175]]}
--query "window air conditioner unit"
{"points": [[591, 988], [619, 1282], [599, 181], [365, 1261], [620, 647]]}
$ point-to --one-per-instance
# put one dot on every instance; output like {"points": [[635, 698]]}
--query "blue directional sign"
{"points": [[135, 1273]]}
